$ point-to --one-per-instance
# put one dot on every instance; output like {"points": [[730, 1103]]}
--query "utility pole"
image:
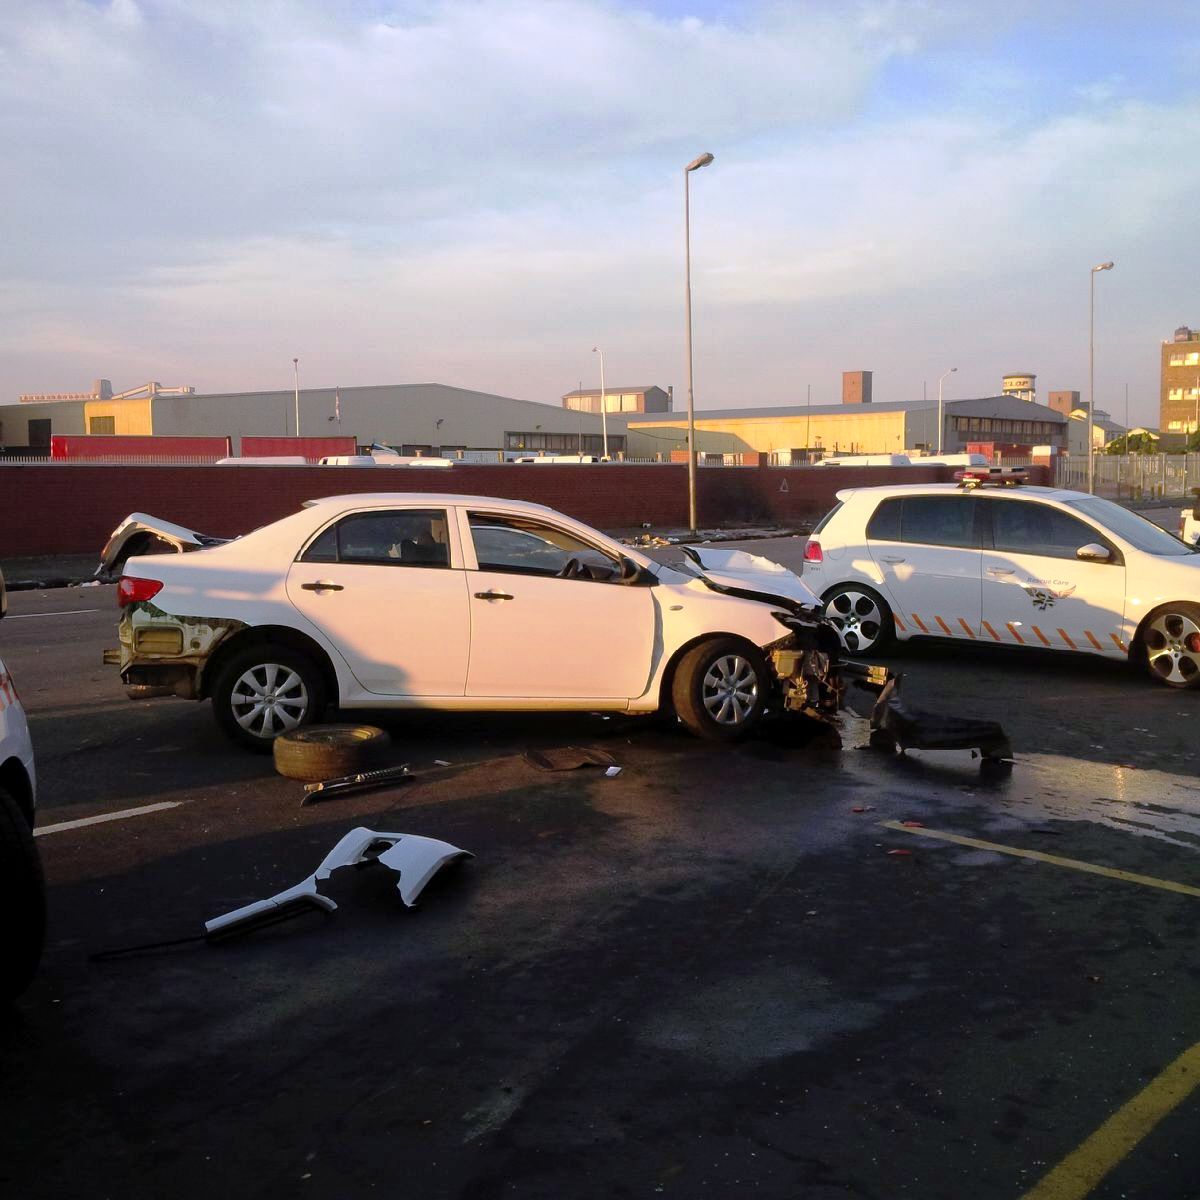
{"points": [[296, 369]]}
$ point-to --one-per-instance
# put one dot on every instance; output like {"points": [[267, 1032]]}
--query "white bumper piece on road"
{"points": [[415, 859]]}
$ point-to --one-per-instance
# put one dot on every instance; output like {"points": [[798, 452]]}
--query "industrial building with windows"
{"points": [[423, 418], [636, 423]]}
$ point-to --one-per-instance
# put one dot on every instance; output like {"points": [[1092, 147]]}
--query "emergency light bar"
{"points": [[973, 477]]}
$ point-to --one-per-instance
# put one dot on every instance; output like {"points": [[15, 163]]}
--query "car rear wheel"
{"points": [[719, 689], [265, 691], [22, 900], [1171, 641], [861, 617]]}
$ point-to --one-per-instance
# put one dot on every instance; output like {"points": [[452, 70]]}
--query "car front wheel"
{"points": [[861, 617], [265, 691], [1171, 640], [719, 689]]}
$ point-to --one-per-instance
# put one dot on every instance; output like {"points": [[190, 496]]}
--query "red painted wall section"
{"points": [[313, 448], [71, 509], [110, 445]]}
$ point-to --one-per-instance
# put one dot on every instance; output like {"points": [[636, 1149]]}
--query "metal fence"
{"points": [[1132, 476]]}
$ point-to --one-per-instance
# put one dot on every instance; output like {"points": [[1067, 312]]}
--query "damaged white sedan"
{"points": [[473, 603]]}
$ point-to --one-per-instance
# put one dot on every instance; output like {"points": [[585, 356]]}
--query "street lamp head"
{"points": [[952, 370], [697, 163], [597, 350], [1103, 267]]}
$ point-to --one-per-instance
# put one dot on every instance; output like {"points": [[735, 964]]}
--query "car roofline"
{"points": [[381, 499]]}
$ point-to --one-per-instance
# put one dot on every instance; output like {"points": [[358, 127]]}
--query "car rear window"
{"points": [[925, 520], [884, 525], [826, 519]]}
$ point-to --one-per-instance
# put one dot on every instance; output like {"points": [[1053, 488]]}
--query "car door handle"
{"points": [[891, 558], [322, 585], [1001, 571], [492, 596]]}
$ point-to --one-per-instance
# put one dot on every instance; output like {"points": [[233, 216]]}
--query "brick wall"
{"points": [[69, 509]]}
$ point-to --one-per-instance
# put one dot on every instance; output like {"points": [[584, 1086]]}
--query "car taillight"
{"points": [[813, 551], [131, 589]]}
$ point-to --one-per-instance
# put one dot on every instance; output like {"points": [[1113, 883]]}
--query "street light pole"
{"points": [[603, 408], [694, 165], [1091, 471], [941, 418], [296, 369]]}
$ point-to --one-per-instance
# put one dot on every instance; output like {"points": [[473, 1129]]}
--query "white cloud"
{"points": [[477, 193]]}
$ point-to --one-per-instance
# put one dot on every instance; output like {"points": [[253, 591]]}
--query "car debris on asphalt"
{"points": [[570, 758], [415, 859], [898, 727], [327, 789]]}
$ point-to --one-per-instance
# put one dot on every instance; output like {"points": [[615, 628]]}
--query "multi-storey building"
{"points": [[1179, 390]]}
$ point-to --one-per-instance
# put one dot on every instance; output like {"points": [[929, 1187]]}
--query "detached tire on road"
{"points": [[22, 901], [319, 752], [720, 689], [267, 690]]}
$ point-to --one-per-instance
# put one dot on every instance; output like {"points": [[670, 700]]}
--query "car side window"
{"points": [[397, 538], [938, 521], [884, 525], [1027, 527], [529, 547]]}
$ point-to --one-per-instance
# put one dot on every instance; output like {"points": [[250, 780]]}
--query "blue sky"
{"points": [[477, 193]]}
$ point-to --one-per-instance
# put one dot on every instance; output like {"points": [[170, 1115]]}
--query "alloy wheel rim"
{"points": [[269, 699], [857, 618], [730, 690], [1173, 647]]}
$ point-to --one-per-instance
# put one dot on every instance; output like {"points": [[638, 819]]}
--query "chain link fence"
{"points": [[1132, 476]]}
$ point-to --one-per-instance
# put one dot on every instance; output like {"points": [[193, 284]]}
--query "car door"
{"points": [[927, 551], [548, 619], [387, 588], [1038, 592]]}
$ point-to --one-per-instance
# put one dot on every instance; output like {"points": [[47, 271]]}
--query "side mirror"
{"points": [[1093, 552]]}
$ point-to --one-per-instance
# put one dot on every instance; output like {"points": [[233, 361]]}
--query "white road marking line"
{"points": [[113, 816], [70, 612]]}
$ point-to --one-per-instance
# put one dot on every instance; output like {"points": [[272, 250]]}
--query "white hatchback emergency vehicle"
{"points": [[1016, 565]]}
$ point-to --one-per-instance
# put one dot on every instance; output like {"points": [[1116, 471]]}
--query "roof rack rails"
{"points": [[974, 477]]}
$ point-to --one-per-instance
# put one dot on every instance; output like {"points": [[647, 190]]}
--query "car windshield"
{"points": [[1136, 530]]}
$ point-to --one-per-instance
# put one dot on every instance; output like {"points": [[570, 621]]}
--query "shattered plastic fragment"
{"points": [[613, 772], [415, 859], [899, 853]]}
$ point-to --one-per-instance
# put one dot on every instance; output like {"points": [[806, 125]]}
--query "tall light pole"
{"points": [[603, 408], [694, 165], [296, 370], [941, 418], [1092, 373]]}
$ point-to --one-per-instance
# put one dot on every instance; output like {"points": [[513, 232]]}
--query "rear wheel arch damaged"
{"points": [[271, 635]]}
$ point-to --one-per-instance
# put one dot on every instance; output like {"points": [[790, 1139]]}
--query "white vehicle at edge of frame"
{"points": [[468, 603], [1017, 565], [23, 931]]}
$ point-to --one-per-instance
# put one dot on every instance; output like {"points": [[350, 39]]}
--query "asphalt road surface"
{"points": [[709, 975]]}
